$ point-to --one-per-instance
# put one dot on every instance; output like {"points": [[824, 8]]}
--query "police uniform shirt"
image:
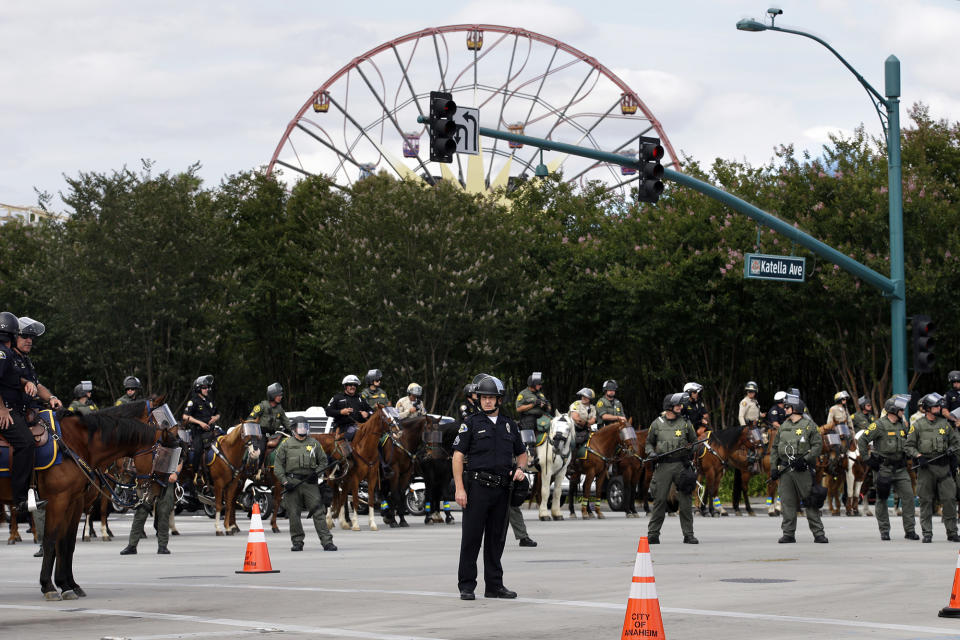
{"points": [[407, 408], [607, 406], [694, 410], [666, 435], [838, 414], [801, 439], [10, 387], [270, 419], [24, 368], [952, 399], [749, 410], [467, 409], [489, 445], [776, 414], [373, 398], [585, 411], [342, 401], [200, 408], [931, 438], [888, 440]]}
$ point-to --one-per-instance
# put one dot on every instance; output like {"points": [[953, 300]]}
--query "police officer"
{"points": [[887, 438], [271, 417], [299, 463], [131, 387], [749, 406], [863, 418], [411, 406], [933, 445], [347, 408], [164, 504], [487, 445], [469, 405], [952, 397], [373, 394], [532, 405], [83, 398], [30, 330], [792, 457], [584, 415], [201, 416], [777, 413], [669, 439], [13, 423], [839, 413], [609, 409], [694, 409]]}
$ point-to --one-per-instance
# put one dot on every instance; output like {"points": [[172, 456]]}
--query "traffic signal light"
{"points": [[923, 344], [442, 127], [651, 171]]}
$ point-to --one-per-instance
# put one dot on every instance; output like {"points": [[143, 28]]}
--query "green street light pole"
{"points": [[890, 120]]}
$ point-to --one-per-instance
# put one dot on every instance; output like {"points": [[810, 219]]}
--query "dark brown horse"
{"points": [[601, 448], [92, 441], [437, 469], [364, 465], [225, 470], [831, 469], [712, 460], [746, 461], [636, 474], [399, 450], [765, 468]]}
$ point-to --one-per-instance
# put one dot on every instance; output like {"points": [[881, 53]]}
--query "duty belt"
{"points": [[489, 480]]}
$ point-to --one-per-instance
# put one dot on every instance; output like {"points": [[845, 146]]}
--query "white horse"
{"points": [[554, 455]]}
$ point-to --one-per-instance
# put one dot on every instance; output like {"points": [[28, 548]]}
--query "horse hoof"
{"points": [[557, 516], [173, 532], [392, 525], [355, 527], [84, 538], [346, 526], [11, 541], [220, 533], [738, 514], [80, 592], [545, 518], [69, 594], [403, 524], [275, 529], [52, 596], [751, 514], [373, 527], [600, 516]]}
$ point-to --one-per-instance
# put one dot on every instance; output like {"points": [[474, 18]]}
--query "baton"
{"points": [[667, 453]]}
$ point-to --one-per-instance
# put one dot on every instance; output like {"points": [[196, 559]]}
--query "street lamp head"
{"points": [[749, 24], [775, 11]]}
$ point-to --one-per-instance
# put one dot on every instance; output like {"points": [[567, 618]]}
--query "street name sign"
{"points": [[784, 268], [467, 120]]}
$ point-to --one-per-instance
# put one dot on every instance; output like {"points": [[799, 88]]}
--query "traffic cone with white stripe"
{"points": [[642, 619], [257, 559], [952, 610]]}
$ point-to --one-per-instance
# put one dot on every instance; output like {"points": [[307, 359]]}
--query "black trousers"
{"points": [[483, 522], [23, 454]]}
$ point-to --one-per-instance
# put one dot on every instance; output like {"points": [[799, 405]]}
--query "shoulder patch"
{"points": [[911, 429], [519, 398], [872, 427], [599, 403], [3, 356], [256, 409], [743, 403], [463, 428], [189, 404]]}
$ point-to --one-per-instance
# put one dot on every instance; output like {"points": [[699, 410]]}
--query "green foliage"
{"points": [[164, 278]]}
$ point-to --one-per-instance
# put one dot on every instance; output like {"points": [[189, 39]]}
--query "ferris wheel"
{"points": [[363, 119]]}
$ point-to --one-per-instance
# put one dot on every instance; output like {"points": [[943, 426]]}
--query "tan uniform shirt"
{"points": [[749, 410], [585, 411], [838, 414], [407, 409]]}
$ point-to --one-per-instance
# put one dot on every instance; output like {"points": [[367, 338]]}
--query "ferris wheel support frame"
{"points": [[433, 32]]}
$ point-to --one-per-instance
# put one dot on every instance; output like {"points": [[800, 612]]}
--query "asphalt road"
{"points": [[401, 583]]}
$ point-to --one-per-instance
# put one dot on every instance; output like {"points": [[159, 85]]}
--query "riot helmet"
{"points": [[534, 379], [274, 390], [373, 375], [751, 386], [840, 396], [779, 396], [953, 376], [930, 401], [692, 387], [469, 389], [609, 385], [350, 380], [131, 382], [477, 378], [863, 401], [795, 404], [895, 404], [203, 381], [300, 426], [586, 392], [490, 386], [9, 326], [413, 389], [671, 400], [82, 389], [30, 328]]}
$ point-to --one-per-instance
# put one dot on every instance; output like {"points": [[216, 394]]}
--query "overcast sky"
{"points": [[99, 84]]}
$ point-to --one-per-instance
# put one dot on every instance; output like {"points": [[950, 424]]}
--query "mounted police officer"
{"points": [[347, 408], [792, 458], [839, 414], [83, 398], [883, 448], [30, 331], [411, 405], [469, 406], [609, 409], [131, 387], [584, 415], [533, 406], [951, 398], [694, 409], [373, 394], [778, 412], [863, 418], [488, 456], [669, 440], [271, 417], [201, 416], [933, 444], [750, 412], [300, 461], [13, 423]]}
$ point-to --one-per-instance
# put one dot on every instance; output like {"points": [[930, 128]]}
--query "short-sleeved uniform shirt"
{"points": [[200, 408], [606, 405], [10, 388], [888, 438], [270, 419], [585, 411], [374, 398], [489, 446]]}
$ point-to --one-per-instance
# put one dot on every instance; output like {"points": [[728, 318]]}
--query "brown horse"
{"points": [[601, 448], [712, 458], [340, 458], [225, 470], [831, 469], [772, 485], [746, 461], [399, 450], [90, 442], [632, 469], [364, 465]]}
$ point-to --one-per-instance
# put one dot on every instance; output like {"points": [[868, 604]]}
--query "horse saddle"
{"points": [[47, 451]]}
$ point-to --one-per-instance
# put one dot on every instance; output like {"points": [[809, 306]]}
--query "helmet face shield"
{"points": [[163, 417], [301, 426]]}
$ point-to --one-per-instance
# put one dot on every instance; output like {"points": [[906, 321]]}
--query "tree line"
{"points": [[160, 276]]}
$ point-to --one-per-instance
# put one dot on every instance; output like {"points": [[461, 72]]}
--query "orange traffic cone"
{"points": [[952, 610], [642, 619], [257, 559]]}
